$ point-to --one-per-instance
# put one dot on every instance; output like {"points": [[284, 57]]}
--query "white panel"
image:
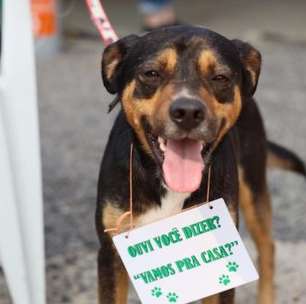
{"points": [[11, 252], [19, 109]]}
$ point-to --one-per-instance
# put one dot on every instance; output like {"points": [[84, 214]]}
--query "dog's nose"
{"points": [[187, 113]]}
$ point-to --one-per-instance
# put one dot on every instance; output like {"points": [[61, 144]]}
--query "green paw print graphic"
{"points": [[232, 266], [224, 280], [172, 297], [156, 292]]}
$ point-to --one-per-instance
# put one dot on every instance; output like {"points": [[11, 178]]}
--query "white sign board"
{"points": [[186, 257]]}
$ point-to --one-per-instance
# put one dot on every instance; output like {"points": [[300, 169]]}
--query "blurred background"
{"points": [[74, 128]]}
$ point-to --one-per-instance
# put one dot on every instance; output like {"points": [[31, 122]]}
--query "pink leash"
{"points": [[100, 19], [104, 27]]}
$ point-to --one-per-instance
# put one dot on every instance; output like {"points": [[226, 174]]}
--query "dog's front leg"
{"points": [[112, 277], [226, 297]]}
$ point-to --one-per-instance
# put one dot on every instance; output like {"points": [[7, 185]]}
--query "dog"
{"points": [[187, 105]]}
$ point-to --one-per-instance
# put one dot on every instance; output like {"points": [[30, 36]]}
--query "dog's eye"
{"points": [[151, 74], [220, 78]]}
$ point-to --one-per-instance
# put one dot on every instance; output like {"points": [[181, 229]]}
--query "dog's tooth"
{"points": [[162, 144], [161, 140], [162, 147]]}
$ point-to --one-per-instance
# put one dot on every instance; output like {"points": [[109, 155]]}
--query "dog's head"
{"points": [[182, 88]]}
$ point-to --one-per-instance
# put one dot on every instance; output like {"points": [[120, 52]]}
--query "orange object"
{"points": [[44, 18]]}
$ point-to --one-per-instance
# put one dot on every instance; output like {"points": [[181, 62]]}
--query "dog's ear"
{"points": [[112, 59], [251, 60]]}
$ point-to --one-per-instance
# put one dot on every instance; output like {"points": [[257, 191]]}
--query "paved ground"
{"points": [[74, 129]]}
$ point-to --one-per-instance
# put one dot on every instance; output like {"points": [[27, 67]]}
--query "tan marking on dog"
{"points": [[110, 215], [133, 111], [154, 109], [274, 161], [112, 57], [167, 59], [110, 68], [252, 63], [121, 286], [258, 220], [211, 300], [228, 111], [129, 103], [207, 61], [232, 208]]}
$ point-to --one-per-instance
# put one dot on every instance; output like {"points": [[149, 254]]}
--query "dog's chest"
{"points": [[172, 203]]}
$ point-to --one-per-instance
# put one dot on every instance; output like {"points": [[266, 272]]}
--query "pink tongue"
{"points": [[183, 165]]}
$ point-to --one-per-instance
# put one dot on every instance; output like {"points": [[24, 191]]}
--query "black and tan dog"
{"points": [[186, 95]]}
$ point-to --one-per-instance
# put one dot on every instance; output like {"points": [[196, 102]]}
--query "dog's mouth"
{"points": [[182, 161]]}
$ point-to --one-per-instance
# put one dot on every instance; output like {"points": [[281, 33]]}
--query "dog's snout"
{"points": [[187, 113]]}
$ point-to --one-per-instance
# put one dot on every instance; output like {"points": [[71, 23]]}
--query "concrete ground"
{"points": [[75, 126]]}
